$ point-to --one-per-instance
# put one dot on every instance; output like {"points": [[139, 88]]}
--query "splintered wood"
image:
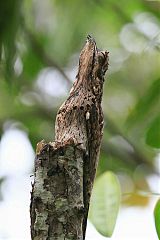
{"points": [[65, 169]]}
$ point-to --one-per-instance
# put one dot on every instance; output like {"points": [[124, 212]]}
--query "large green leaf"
{"points": [[105, 203], [157, 217], [153, 133]]}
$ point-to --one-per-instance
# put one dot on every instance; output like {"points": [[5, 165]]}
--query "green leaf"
{"points": [[105, 203], [157, 218], [153, 133]]}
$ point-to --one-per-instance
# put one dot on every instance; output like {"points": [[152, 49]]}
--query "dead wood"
{"points": [[65, 169]]}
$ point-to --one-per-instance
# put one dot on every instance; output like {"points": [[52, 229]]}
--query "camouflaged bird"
{"points": [[80, 118]]}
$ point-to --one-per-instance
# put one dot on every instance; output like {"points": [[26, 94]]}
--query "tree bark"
{"points": [[65, 169]]}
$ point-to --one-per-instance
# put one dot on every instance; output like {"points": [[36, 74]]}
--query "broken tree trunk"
{"points": [[65, 169]]}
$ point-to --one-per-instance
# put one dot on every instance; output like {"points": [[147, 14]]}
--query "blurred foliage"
{"points": [[40, 42]]}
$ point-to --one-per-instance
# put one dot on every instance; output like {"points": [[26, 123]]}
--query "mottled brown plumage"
{"points": [[80, 118]]}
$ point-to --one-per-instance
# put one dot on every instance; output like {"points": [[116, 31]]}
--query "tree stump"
{"points": [[65, 169]]}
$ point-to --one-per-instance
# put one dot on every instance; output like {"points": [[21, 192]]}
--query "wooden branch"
{"points": [[65, 169]]}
